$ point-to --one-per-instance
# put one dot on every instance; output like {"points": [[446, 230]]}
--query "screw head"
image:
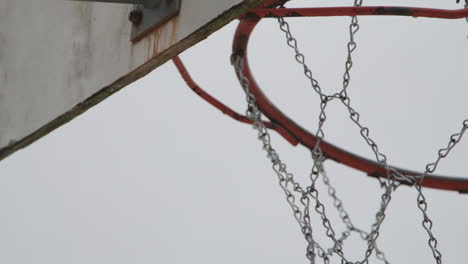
{"points": [[135, 17]]}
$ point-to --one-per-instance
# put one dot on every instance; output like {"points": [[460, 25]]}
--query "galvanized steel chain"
{"points": [[355, 117], [351, 46], [286, 179], [316, 152], [311, 190], [300, 58], [290, 186], [421, 199], [350, 227], [380, 157]]}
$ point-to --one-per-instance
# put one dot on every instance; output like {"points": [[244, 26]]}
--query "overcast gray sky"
{"points": [[156, 175]]}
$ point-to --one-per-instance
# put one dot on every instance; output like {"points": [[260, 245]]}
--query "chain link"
{"points": [[421, 199], [299, 57], [320, 209], [286, 179], [338, 204], [289, 185]]}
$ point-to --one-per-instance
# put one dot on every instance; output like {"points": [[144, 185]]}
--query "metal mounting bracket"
{"points": [[147, 14], [146, 19]]}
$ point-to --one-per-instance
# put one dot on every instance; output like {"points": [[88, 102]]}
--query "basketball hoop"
{"points": [[304, 198]]}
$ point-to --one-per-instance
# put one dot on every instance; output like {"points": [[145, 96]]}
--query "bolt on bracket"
{"points": [[151, 18], [147, 14]]}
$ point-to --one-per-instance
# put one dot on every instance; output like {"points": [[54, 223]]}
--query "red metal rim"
{"points": [[307, 139], [357, 11]]}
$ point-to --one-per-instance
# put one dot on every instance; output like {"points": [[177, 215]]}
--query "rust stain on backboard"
{"points": [[164, 37], [160, 39]]}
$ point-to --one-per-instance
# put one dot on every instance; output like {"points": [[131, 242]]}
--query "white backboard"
{"points": [[59, 58]]}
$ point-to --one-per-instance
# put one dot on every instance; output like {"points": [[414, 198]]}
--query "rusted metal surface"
{"points": [[357, 11], [306, 138]]}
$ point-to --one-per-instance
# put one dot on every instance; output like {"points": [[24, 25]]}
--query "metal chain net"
{"points": [[302, 199]]}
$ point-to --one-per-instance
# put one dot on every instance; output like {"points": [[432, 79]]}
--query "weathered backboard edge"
{"points": [[200, 34]]}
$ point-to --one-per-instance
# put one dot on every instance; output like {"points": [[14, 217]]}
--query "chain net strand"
{"points": [[302, 199]]}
